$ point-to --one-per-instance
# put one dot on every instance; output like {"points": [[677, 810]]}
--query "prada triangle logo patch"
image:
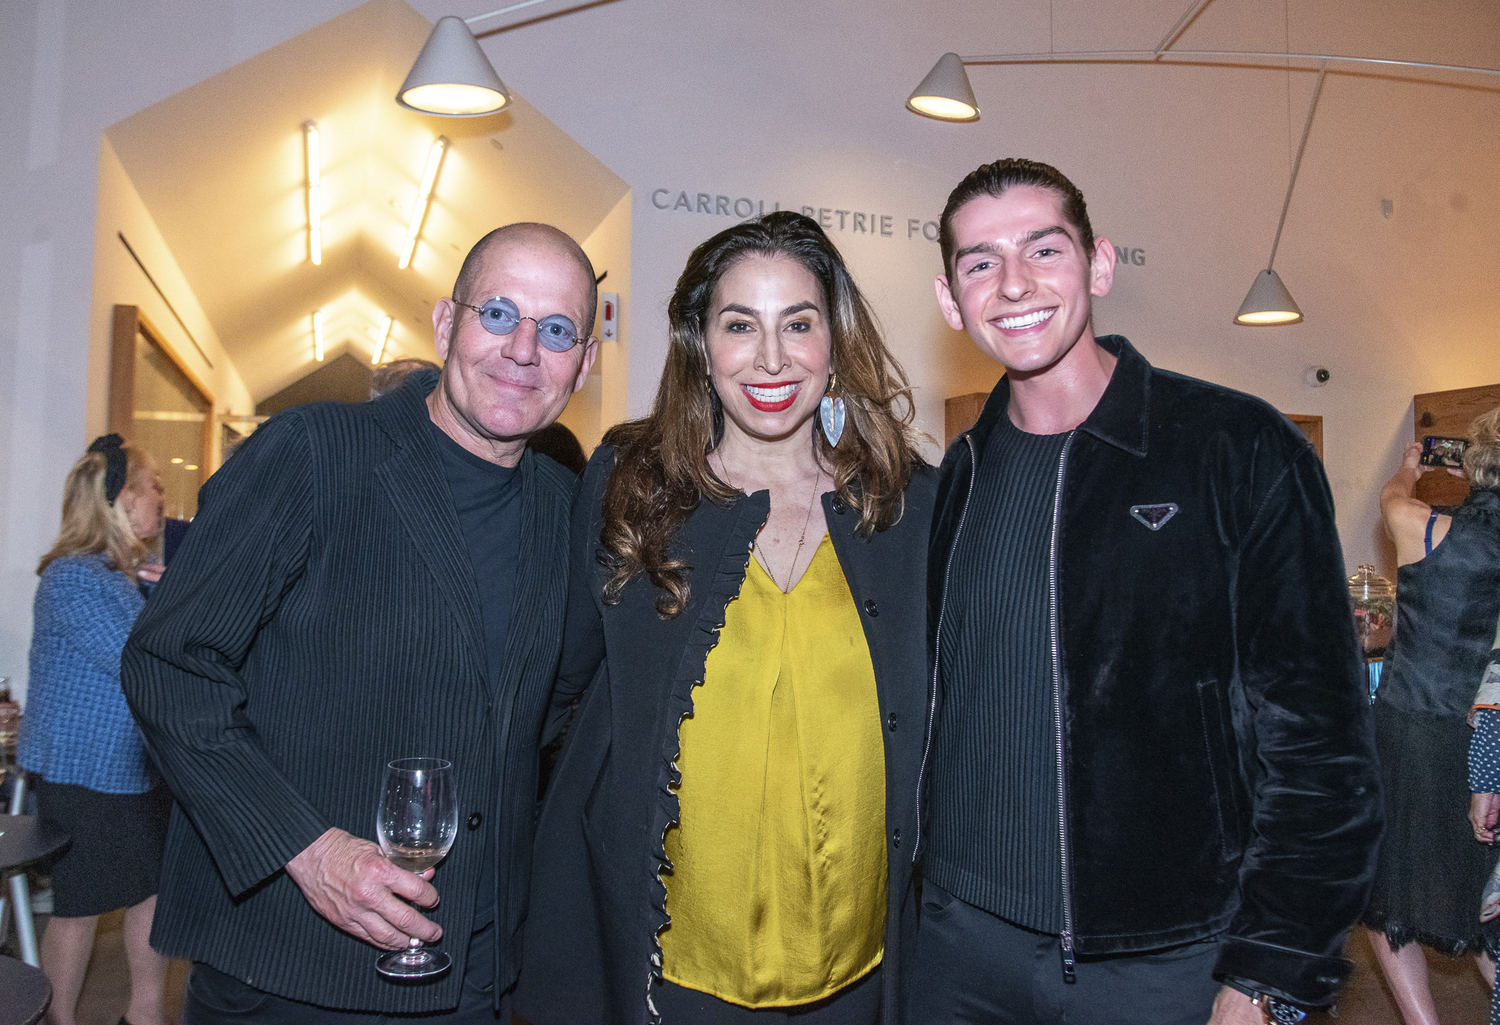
{"points": [[1154, 516]]}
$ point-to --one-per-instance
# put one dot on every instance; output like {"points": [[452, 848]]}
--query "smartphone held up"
{"points": [[1446, 452]]}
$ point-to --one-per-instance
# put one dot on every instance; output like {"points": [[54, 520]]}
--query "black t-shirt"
{"points": [[994, 816], [487, 498]]}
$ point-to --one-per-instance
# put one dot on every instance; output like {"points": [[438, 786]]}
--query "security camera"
{"points": [[1316, 377]]}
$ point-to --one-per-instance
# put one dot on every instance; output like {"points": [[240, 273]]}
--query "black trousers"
{"points": [[856, 1004], [214, 998], [972, 967]]}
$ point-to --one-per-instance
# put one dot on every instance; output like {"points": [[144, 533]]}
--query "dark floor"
{"points": [[1462, 997]]}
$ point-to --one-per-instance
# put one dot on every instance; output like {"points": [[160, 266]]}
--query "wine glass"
{"points": [[416, 823]]}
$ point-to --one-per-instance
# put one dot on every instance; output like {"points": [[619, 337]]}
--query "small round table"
{"points": [[24, 993], [24, 841]]}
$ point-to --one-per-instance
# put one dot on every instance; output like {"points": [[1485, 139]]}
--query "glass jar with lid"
{"points": [[1374, 600]]}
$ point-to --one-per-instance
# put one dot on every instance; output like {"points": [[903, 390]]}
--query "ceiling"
{"points": [[220, 167]]}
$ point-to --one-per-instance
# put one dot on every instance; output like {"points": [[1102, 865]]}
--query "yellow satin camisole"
{"points": [[777, 889]]}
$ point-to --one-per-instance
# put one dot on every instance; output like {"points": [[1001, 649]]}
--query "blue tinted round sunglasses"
{"points": [[501, 316]]}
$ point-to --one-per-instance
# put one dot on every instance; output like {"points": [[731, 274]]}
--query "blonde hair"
{"points": [[1482, 457], [90, 524]]}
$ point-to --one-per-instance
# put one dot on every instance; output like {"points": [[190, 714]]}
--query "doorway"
{"points": [[156, 403]]}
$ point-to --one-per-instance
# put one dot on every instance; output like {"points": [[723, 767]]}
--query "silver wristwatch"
{"points": [[1278, 1012], [1275, 1010]]}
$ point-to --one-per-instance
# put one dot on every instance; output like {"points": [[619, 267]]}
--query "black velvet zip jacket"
{"points": [[1217, 752], [590, 951]]}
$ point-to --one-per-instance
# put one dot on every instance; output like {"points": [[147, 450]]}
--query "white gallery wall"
{"points": [[800, 104]]}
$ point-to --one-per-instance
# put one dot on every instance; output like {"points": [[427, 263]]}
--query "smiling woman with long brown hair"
{"points": [[723, 840]]}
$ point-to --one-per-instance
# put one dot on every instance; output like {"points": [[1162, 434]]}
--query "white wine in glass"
{"points": [[415, 823]]}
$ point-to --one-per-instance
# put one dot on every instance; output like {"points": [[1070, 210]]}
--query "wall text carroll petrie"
{"points": [[849, 221], [831, 218]]}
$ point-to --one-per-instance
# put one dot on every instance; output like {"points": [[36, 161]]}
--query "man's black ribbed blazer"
{"points": [[320, 619]]}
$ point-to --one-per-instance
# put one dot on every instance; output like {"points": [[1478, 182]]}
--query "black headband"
{"points": [[114, 464]]}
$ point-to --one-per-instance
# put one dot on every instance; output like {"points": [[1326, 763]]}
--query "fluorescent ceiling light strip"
{"points": [[314, 192], [170, 415], [424, 194], [317, 319], [385, 335]]}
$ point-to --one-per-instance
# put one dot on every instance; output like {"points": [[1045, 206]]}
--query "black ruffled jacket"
{"points": [[590, 952], [1218, 757]]}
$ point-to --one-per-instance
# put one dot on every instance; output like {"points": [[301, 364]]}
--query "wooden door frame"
{"points": [[129, 321]]}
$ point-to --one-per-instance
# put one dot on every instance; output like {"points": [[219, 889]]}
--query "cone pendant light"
{"points": [[452, 77], [1268, 303], [945, 93]]}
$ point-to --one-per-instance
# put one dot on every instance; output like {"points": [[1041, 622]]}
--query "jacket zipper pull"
{"points": [[1069, 975]]}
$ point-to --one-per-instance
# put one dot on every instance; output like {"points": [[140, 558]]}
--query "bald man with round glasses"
{"points": [[363, 583]]}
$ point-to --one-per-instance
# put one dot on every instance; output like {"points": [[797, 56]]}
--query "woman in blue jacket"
{"points": [[78, 736]]}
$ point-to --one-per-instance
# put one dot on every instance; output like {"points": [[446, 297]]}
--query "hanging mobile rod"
{"points": [[1297, 165], [471, 22], [1206, 56]]}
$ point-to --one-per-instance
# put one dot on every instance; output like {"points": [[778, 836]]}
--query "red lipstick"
{"points": [[769, 398]]}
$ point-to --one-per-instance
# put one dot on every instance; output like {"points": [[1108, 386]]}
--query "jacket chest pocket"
{"points": [[1220, 752]]}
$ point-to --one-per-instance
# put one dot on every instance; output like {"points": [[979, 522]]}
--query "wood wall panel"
{"points": [[1312, 427], [959, 414], [1448, 414], [121, 413]]}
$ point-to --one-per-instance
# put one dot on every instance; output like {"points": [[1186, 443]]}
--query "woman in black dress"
{"points": [[1432, 869]]}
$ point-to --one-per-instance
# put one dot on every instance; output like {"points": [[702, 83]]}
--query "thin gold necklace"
{"points": [[785, 588]]}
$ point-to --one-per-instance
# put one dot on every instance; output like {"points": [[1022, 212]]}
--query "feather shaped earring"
{"points": [[831, 412]]}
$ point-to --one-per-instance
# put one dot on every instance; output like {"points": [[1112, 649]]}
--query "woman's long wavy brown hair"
{"points": [[661, 469]]}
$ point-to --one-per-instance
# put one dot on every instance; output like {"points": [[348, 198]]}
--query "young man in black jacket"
{"points": [[1150, 792]]}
